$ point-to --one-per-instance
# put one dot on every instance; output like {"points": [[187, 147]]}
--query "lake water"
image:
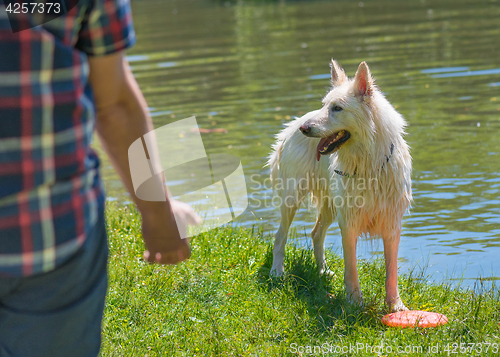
{"points": [[250, 66]]}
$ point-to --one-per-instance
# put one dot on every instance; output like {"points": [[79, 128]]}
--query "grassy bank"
{"points": [[222, 303]]}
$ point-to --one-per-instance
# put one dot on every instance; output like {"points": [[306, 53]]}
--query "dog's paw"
{"points": [[276, 272], [327, 272], [355, 298], [396, 305]]}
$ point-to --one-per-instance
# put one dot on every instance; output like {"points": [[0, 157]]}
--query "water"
{"points": [[249, 67]]}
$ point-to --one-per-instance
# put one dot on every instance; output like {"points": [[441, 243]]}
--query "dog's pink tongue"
{"points": [[320, 146]]}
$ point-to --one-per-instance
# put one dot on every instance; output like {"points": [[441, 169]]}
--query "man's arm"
{"points": [[122, 117]]}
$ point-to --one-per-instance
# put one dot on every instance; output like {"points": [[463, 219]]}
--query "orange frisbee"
{"points": [[412, 318]]}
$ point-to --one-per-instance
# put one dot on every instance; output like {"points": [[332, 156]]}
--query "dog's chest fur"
{"points": [[371, 195]]}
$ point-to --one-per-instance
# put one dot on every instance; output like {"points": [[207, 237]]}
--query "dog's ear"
{"points": [[363, 81], [338, 74]]}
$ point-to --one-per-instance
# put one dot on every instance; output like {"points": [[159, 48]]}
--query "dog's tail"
{"points": [[274, 162]]}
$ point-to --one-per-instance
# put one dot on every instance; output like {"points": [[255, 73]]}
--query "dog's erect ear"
{"points": [[338, 74], [363, 81]]}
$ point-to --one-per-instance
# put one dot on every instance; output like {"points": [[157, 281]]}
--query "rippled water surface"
{"points": [[250, 67]]}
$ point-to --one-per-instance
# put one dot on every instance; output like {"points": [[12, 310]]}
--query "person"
{"points": [[58, 82]]}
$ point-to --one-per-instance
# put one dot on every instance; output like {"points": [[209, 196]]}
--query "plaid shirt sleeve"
{"points": [[107, 28], [51, 192]]}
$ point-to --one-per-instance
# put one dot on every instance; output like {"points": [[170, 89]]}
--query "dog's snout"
{"points": [[305, 129]]}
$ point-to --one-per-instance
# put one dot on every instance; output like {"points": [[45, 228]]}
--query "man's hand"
{"points": [[163, 234], [122, 117], [184, 216]]}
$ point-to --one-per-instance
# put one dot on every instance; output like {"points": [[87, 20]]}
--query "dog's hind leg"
{"points": [[351, 281], [391, 245], [287, 214], [288, 209], [324, 220]]}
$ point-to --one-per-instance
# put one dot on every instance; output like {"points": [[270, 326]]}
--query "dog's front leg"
{"points": [[391, 245], [351, 281]]}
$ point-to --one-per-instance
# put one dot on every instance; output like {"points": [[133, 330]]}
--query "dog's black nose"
{"points": [[305, 129]]}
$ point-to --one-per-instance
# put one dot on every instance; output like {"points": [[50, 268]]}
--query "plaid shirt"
{"points": [[50, 189]]}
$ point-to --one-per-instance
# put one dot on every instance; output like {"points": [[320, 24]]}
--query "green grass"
{"points": [[222, 302]]}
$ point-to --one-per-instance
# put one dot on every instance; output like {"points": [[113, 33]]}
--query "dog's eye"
{"points": [[336, 108]]}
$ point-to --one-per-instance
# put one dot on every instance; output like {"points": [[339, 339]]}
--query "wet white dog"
{"points": [[351, 156]]}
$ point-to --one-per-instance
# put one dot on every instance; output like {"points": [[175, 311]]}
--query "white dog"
{"points": [[351, 156]]}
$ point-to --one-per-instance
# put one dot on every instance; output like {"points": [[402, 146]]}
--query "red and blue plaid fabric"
{"points": [[50, 189]]}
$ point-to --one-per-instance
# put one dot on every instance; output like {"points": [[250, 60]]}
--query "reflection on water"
{"points": [[251, 68]]}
